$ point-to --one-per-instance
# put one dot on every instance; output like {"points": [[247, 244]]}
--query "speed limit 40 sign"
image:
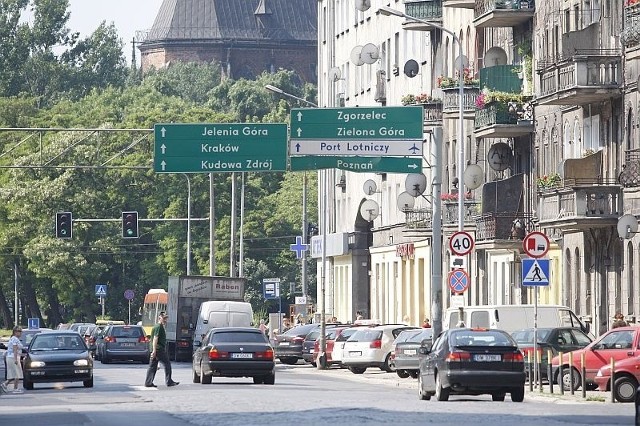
{"points": [[461, 243]]}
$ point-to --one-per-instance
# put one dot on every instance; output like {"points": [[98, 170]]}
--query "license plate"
{"points": [[355, 353], [409, 352], [487, 358], [241, 355], [284, 343], [310, 351], [127, 345]]}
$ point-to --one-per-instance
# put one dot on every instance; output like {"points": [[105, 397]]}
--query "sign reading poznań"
{"points": [[366, 131], [220, 147]]}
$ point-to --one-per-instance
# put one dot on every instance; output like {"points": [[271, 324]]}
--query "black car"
{"points": [[58, 356], [234, 352], [308, 345], [405, 352], [559, 339], [288, 346], [466, 361]]}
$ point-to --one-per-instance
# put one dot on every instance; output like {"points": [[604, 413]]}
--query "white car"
{"points": [[338, 344], [371, 347]]}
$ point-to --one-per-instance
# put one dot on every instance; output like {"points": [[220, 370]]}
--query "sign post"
{"points": [[129, 295], [101, 292], [271, 290]]}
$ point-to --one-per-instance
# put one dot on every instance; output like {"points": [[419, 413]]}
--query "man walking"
{"points": [[159, 353]]}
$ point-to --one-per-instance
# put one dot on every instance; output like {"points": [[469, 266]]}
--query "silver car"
{"points": [[124, 342]]}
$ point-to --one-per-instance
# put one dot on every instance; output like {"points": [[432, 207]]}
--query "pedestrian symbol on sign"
{"points": [[101, 290]]}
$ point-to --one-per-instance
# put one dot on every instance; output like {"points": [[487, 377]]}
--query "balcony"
{"points": [[432, 113], [631, 32], [430, 11], [419, 220], [450, 212], [589, 76], [504, 120], [502, 13], [502, 229], [451, 101], [502, 78], [630, 175], [461, 4]]}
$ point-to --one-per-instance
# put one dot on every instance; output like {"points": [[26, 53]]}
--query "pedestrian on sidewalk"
{"points": [[159, 353], [14, 366]]}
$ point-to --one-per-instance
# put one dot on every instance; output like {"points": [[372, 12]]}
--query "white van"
{"points": [[512, 317], [221, 313]]}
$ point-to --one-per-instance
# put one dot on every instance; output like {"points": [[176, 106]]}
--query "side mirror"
{"points": [[3, 346]]}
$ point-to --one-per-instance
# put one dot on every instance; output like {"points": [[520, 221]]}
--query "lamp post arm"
{"points": [[279, 91]]}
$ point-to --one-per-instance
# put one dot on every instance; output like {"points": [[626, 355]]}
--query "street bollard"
{"points": [[583, 374], [611, 381], [539, 369], [573, 392], [549, 371], [530, 371], [637, 403], [561, 373]]}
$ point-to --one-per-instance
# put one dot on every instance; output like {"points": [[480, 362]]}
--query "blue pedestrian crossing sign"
{"points": [[101, 290], [535, 272]]}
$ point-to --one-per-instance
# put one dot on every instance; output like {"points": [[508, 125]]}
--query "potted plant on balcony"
{"points": [[512, 107], [444, 82], [420, 99], [549, 181], [453, 196]]}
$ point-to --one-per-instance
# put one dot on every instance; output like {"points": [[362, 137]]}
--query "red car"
{"points": [[618, 343], [332, 334], [626, 380]]}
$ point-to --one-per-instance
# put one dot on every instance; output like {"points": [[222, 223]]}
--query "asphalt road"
{"points": [[302, 395]]}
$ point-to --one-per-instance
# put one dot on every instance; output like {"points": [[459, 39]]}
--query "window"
{"points": [[238, 337]]}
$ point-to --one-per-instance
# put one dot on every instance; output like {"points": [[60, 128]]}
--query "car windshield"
{"points": [[238, 337], [481, 338], [346, 334], [127, 332], [313, 335], [366, 335], [51, 342], [301, 330], [409, 336], [523, 337]]}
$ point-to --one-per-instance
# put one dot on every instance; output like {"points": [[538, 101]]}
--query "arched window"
{"points": [[578, 278], [577, 139], [556, 150], [629, 129], [566, 140]]}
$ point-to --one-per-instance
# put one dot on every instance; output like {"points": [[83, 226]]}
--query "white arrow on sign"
{"points": [[413, 166], [299, 116], [163, 131], [163, 164], [299, 131], [163, 148]]}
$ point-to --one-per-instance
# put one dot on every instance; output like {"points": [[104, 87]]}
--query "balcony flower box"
{"points": [[444, 82], [549, 181], [420, 99]]}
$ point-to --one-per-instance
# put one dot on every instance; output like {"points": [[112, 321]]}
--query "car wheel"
{"points": [[422, 395], [517, 394], [258, 380], [269, 379], [414, 374], [88, 383], [204, 379], [196, 376], [289, 360], [497, 397], [357, 370], [442, 394], [27, 384], [566, 380], [387, 365], [403, 374], [105, 360], [624, 389]]}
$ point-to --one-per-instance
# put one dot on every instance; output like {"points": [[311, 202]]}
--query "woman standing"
{"points": [[14, 366]]}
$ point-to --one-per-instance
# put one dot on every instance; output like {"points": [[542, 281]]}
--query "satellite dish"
{"points": [[355, 56], [415, 184], [369, 210], [473, 176], [627, 225], [335, 74], [500, 156], [363, 5], [405, 202], [411, 68], [465, 62], [495, 56], [370, 53], [370, 187]]}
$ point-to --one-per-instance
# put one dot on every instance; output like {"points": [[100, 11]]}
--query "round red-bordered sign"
{"points": [[536, 244], [461, 243], [458, 280]]}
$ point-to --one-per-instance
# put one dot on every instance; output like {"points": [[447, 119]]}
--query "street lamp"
{"points": [[279, 91], [188, 224], [387, 11]]}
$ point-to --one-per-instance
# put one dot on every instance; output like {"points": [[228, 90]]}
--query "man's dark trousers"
{"points": [[163, 357]]}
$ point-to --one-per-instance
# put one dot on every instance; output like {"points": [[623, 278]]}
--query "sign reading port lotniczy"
{"points": [[220, 147]]}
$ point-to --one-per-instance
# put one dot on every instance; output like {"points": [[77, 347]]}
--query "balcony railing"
{"points": [[451, 102], [499, 120], [631, 32], [426, 10], [503, 226], [450, 211], [419, 219], [432, 112], [503, 13], [589, 76], [462, 4], [630, 175], [502, 78]]}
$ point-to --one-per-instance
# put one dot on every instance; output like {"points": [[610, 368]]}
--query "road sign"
{"points": [[461, 243], [536, 244], [371, 148], [358, 164], [458, 262], [458, 280], [220, 147], [301, 300], [271, 288], [299, 247], [101, 290], [535, 272], [33, 323], [129, 294]]}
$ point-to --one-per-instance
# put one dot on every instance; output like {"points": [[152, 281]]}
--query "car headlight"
{"points": [[80, 362], [36, 364]]}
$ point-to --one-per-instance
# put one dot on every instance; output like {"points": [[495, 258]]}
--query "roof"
{"points": [[237, 20]]}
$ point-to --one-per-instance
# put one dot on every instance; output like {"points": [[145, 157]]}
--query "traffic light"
{"points": [[130, 225], [64, 225]]}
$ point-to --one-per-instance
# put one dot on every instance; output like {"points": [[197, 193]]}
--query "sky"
{"points": [[128, 16]]}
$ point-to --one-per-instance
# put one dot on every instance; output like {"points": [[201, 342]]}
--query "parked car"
{"points": [[371, 347], [94, 337], [124, 342], [331, 336], [465, 361], [405, 351], [308, 344], [560, 339], [288, 345], [80, 327], [234, 352], [626, 381], [58, 356], [338, 344], [618, 343]]}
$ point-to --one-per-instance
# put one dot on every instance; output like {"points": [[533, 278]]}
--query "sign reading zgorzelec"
{"points": [[357, 124], [220, 147]]}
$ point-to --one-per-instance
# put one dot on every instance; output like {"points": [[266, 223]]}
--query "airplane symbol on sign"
{"points": [[414, 149]]}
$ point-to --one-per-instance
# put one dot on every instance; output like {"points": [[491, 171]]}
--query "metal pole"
{"points": [[241, 263], [232, 246], [436, 244], [188, 224], [129, 322], [461, 136], [304, 234], [212, 228], [536, 370], [15, 294]]}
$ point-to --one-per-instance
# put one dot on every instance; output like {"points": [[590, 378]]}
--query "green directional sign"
{"points": [[358, 164], [220, 147], [362, 123]]}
